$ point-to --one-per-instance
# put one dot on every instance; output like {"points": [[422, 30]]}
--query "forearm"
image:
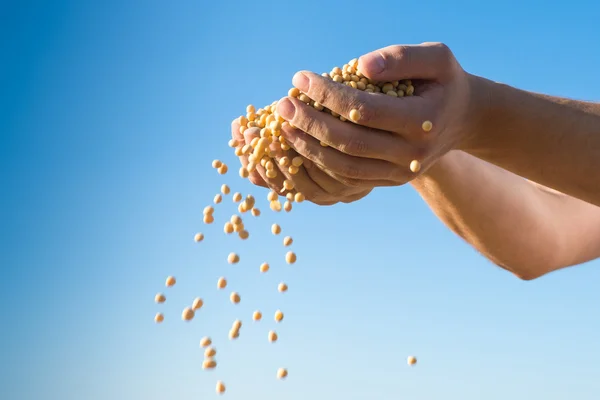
{"points": [[552, 141], [512, 222]]}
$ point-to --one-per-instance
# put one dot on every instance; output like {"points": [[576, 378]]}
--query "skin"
{"points": [[540, 230], [486, 137]]}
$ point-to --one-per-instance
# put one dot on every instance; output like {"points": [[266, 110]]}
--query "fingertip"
{"points": [[256, 179], [371, 64], [251, 133]]}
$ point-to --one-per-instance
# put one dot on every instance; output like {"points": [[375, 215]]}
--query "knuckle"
{"points": [[350, 171], [404, 54], [354, 146], [322, 95], [367, 113], [443, 49], [310, 125]]}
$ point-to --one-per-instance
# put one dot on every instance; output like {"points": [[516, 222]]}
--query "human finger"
{"points": [[319, 191], [375, 110], [429, 61], [342, 164], [352, 139]]}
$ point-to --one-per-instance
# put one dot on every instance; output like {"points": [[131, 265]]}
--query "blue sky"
{"points": [[110, 115]]}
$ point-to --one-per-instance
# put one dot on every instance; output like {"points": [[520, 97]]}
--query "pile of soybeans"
{"points": [[268, 151]]}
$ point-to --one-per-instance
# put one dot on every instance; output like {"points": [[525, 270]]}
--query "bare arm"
{"points": [[552, 141], [523, 227]]}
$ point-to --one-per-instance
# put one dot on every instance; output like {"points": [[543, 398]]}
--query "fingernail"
{"points": [[286, 109], [372, 63], [301, 81]]}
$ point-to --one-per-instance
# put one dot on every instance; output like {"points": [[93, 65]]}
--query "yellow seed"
{"points": [[198, 237], [209, 364], [290, 257], [158, 318], [287, 241], [323, 144], [392, 93], [293, 170], [255, 212], [275, 206], [275, 229], [243, 234], [233, 142], [427, 126], [250, 108], [244, 173], [257, 316], [187, 314], [228, 228], [209, 219], [205, 342], [197, 304], [282, 287], [290, 196], [264, 267], [233, 258], [278, 316], [294, 92], [237, 196], [222, 169], [275, 126], [269, 165], [170, 281], [208, 210], [272, 196], [282, 373], [287, 206], [216, 164], [235, 219], [220, 387], [237, 324], [288, 184], [299, 197], [411, 360], [238, 227], [234, 297], [297, 161], [415, 166], [284, 161], [354, 115], [218, 198], [225, 189], [387, 87], [222, 283], [271, 174], [272, 336], [210, 352], [233, 334], [160, 298]]}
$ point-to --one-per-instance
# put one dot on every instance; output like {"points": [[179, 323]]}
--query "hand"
{"points": [[316, 186], [378, 149]]}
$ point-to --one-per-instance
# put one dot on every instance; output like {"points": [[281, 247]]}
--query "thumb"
{"points": [[430, 61]]}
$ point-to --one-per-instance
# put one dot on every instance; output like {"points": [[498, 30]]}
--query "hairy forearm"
{"points": [[512, 222], [552, 141]]}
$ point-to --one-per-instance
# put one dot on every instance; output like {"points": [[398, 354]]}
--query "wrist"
{"points": [[479, 112]]}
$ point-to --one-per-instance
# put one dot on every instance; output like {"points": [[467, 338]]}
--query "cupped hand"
{"points": [[378, 148], [316, 186]]}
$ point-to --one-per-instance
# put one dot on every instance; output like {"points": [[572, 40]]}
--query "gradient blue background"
{"points": [[110, 115]]}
